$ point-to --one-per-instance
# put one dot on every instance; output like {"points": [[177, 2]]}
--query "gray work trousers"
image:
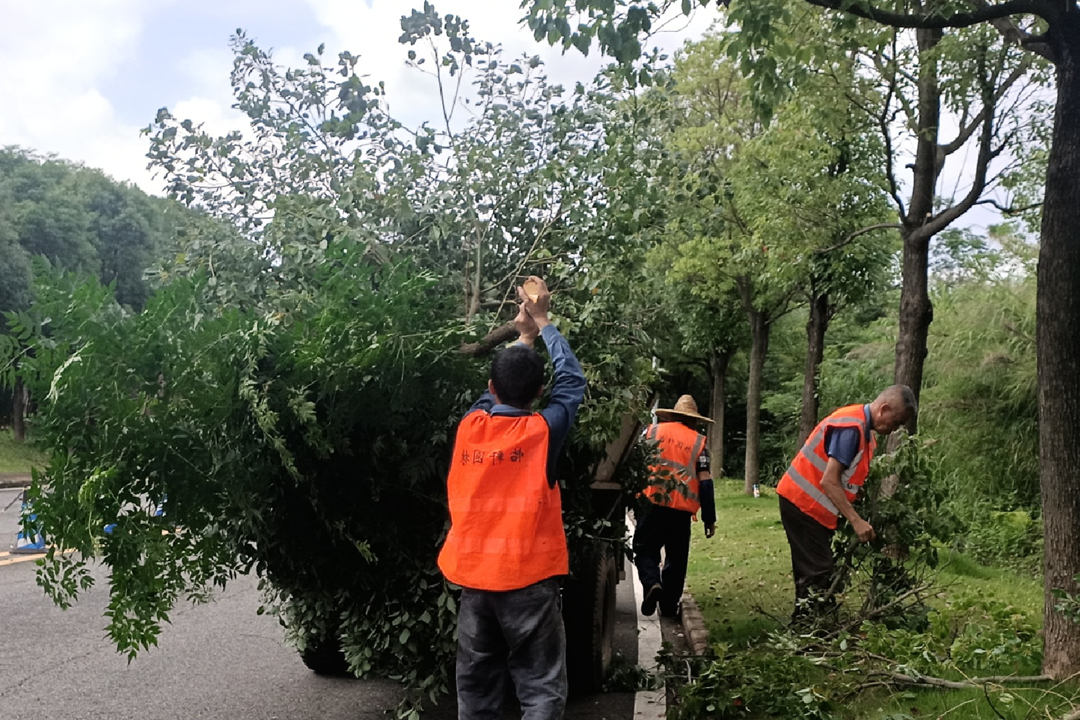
{"points": [[517, 632]]}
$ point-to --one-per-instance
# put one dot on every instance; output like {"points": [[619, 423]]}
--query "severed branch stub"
{"points": [[489, 342]]}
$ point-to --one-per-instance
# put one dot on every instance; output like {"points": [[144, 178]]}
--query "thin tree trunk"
{"points": [[759, 346], [816, 326], [20, 398], [718, 365], [1058, 338], [916, 311]]}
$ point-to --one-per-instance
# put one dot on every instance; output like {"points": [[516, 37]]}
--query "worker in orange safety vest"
{"points": [[821, 483], [506, 546], [680, 485]]}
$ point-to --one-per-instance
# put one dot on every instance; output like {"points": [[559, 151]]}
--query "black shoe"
{"points": [[652, 597]]}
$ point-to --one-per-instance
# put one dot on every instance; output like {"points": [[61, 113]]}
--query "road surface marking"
{"points": [[7, 558]]}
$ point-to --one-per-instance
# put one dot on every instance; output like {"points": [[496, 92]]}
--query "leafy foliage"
{"points": [[287, 394], [972, 636], [738, 682], [987, 419], [1068, 605], [904, 505]]}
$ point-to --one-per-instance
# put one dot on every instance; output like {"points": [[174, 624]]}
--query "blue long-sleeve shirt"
{"points": [[567, 392]]}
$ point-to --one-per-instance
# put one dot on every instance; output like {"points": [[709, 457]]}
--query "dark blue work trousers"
{"points": [[667, 528], [517, 632]]}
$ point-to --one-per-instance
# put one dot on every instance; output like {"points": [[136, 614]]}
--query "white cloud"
{"points": [[55, 57], [61, 59]]}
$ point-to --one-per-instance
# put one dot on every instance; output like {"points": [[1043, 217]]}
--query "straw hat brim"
{"points": [[680, 414]]}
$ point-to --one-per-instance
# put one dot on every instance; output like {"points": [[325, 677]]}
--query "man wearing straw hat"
{"points": [[680, 485]]}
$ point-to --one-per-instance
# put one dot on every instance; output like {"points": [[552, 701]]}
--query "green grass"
{"points": [[18, 457], [741, 580], [743, 569], [1012, 704], [961, 574]]}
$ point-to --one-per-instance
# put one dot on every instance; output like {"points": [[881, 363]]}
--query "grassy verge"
{"points": [[18, 457], [743, 569], [741, 579]]}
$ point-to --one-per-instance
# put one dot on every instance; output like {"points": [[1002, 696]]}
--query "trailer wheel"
{"points": [[590, 625], [325, 657]]}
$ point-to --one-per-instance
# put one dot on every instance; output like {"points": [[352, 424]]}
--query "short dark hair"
{"points": [[517, 373]]}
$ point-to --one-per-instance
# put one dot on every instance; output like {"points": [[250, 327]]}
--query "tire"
{"points": [[325, 657], [590, 624]]}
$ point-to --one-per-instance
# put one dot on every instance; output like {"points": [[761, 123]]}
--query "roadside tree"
{"points": [[288, 394], [1045, 28]]}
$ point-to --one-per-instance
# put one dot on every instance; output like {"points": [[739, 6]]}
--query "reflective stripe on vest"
{"points": [[506, 527], [801, 484], [674, 476]]}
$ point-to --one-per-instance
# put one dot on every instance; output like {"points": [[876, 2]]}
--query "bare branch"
{"points": [[857, 233], [1008, 209], [967, 131], [942, 220], [1040, 45], [932, 21]]}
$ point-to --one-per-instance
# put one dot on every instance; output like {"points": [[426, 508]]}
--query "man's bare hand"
{"points": [[863, 530], [536, 309], [526, 326]]}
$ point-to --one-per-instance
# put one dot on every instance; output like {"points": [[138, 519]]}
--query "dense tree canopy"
{"points": [[78, 219], [285, 382], [289, 391], [1045, 28]]}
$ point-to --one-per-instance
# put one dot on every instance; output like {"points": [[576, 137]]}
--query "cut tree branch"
{"points": [[489, 342], [919, 679]]}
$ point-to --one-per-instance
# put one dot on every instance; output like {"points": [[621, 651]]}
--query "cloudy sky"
{"points": [[80, 78]]}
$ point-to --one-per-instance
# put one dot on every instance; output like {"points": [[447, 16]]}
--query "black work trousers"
{"points": [[667, 528], [812, 562]]}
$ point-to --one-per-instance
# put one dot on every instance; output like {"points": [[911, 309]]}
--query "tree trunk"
{"points": [[759, 345], [916, 312], [1058, 338], [815, 348], [20, 398], [718, 364]]}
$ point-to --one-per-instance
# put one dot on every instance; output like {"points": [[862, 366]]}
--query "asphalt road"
{"points": [[213, 662]]}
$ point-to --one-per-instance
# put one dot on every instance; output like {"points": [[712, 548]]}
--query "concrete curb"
{"points": [[10, 480], [693, 623]]}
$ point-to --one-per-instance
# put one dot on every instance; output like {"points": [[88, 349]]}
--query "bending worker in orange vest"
{"points": [[680, 485], [506, 546], [822, 482]]}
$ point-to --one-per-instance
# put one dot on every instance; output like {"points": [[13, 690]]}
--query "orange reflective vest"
{"points": [[680, 447], [801, 484], [506, 527]]}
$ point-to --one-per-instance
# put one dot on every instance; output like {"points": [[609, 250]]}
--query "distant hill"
{"points": [[78, 219]]}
